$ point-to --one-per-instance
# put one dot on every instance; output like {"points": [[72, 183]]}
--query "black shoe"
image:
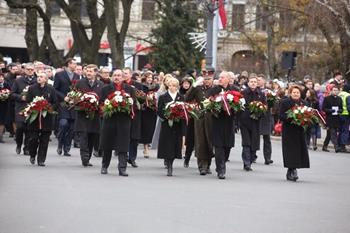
{"points": [[132, 163], [202, 172], [123, 173], [290, 176], [268, 162], [32, 160], [326, 150], [41, 164], [18, 150], [25, 151], [186, 163], [209, 171], [247, 168], [221, 176], [295, 174], [87, 164], [59, 151], [67, 154], [170, 170], [76, 145], [104, 171]]}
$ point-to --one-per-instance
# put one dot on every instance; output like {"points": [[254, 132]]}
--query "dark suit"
{"points": [[39, 138], [16, 94], [65, 132], [88, 129]]}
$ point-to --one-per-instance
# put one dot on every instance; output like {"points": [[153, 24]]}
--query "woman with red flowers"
{"points": [[39, 130], [170, 136], [294, 148]]}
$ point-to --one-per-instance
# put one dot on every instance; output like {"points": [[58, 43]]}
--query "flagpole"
{"points": [[215, 35], [209, 47]]}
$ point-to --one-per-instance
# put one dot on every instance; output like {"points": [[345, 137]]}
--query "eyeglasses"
{"points": [[207, 72]]}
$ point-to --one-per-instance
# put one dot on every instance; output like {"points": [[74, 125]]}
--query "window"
{"points": [[261, 18], [55, 8], [148, 9], [238, 12]]}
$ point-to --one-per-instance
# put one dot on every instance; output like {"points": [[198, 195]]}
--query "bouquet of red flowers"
{"points": [[89, 104], [257, 109], [151, 100], [229, 101], [74, 98], [271, 98], [176, 111], [302, 116], [118, 102], [39, 107], [4, 94]]}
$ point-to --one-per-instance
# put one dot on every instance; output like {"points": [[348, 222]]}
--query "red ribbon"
{"points": [[132, 112], [185, 111], [320, 116], [226, 105], [40, 127]]}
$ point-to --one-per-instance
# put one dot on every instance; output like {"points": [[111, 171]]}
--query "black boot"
{"points": [[289, 174], [324, 148], [295, 174], [186, 162], [170, 168]]}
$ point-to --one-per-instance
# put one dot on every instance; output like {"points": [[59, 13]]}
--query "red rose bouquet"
{"points": [[118, 102], [39, 107], [229, 101], [4, 94], [257, 109], [177, 111], [89, 104], [302, 116]]}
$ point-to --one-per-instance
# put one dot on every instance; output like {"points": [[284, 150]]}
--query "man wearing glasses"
{"points": [[18, 94]]}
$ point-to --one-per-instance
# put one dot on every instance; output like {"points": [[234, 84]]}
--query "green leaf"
{"points": [[33, 116]]}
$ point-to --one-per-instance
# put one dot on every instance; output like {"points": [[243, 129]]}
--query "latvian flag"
{"points": [[222, 15]]}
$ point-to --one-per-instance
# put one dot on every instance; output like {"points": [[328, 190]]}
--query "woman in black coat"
{"points": [[149, 116], [170, 138], [115, 130], [3, 107], [294, 148], [39, 138]]}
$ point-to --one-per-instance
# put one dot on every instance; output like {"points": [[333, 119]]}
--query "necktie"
{"points": [[91, 83]]}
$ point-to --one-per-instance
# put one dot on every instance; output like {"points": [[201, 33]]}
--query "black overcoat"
{"points": [[250, 129], [115, 130], [332, 121], [148, 119], [4, 105], [294, 148], [62, 85], [170, 138], [136, 121], [223, 134], [82, 123], [203, 127], [16, 94], [48, 92]]}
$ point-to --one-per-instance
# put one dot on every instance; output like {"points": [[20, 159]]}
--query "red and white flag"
{"points": [[222, 15]]}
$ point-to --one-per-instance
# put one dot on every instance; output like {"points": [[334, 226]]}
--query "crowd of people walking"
{"points": [[36, 100]]}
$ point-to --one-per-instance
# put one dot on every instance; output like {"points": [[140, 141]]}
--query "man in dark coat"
{"points": [[115, 131], [10, 78], [332, 106], [223, 137], [39, 130], [135, 134], [3, 106], [18, 92], [88, 128], [202, 127], [64, 81], [265, 125], [249, 126]]}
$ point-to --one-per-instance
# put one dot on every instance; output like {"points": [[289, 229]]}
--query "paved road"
{"points": [[64, 197]]}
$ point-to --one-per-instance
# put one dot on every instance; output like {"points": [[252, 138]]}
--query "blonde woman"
{"points": [[170, 137]]}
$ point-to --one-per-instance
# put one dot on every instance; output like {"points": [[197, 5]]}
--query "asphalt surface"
{"points": [[64, 197]]}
